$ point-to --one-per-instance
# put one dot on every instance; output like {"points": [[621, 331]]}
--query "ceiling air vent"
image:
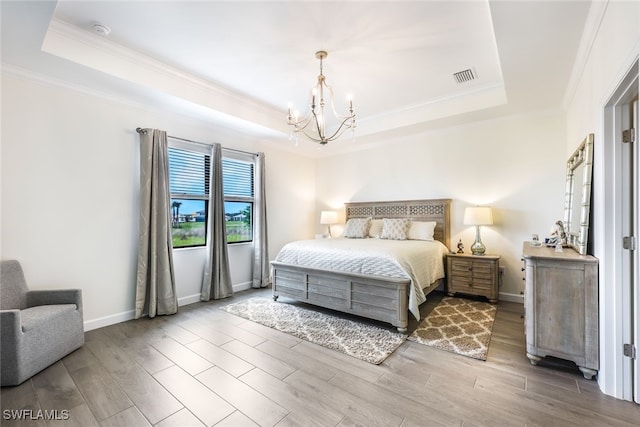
{"points": [[464, 75]]}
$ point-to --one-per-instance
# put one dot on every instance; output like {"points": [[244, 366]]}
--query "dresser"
{"points": [[473, 275], [561, 306]]}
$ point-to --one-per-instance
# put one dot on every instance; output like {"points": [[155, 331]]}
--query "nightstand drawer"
{"points": [[482, 270], [479, 281], [465, 285], [473, 277], [461, 266], [470, 268]]}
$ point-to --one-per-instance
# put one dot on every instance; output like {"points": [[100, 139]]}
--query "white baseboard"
{"points": [[511, 297], [242, 286], [101, 322], [188, 300]]}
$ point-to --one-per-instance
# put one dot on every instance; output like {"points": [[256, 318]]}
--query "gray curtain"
{"points": [[155, 280], [216, 282], [261, 277]]}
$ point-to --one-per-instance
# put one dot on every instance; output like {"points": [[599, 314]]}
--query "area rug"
{"points": [[358, 339], [458, 325]]}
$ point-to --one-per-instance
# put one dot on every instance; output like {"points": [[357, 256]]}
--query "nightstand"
{"points": [[473, 275]]}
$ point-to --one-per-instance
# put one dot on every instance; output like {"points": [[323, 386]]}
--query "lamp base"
{"points": [[478, 248]]}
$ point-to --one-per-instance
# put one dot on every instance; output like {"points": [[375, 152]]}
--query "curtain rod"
{"points": [[141, 130]]}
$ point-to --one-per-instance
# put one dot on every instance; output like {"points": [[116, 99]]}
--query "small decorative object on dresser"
{"points": [[460, 247], [561, 306], [535, 240], [562, 236], [473, 275]]}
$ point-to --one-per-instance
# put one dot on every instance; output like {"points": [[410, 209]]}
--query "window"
{"points": [[189, 171], [189, 187], [238, 187]]}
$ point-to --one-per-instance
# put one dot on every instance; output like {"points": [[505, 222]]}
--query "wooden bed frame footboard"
{"points": [[373, 297]]}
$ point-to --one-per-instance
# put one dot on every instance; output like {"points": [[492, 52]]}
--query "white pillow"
{"points": [[395, 228], [375, 228], [421, 230], [356, 228]]}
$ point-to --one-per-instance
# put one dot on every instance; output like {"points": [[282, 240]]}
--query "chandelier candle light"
{"points": [[313, 124], [478, 215]]}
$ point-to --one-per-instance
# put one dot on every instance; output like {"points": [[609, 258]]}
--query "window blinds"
{"points": [[237, 178], [188, 173]]}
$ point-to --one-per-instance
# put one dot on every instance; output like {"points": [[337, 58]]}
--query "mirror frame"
{"points": [[583, 154]]}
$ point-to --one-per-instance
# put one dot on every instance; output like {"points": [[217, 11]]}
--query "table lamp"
{"points": [[327, 218], [478, 215]]}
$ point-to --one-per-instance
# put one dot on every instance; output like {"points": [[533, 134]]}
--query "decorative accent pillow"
{"points": [[395, 228], [375, 228], [356, 228], [421, 230]]}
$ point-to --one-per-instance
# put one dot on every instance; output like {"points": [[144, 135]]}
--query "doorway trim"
{"points": [[616, 308]]}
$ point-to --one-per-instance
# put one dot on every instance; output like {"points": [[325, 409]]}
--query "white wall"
{"points": [[515, 165], [70, 194], [612, 46]]}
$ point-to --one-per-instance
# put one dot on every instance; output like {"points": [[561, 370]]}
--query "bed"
{"points": [[388, 295]]}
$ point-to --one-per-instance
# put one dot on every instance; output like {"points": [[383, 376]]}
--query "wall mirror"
{"points": [[577, 204]]}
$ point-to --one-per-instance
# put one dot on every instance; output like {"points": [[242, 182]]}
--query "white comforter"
{"points": [[418, 260]]}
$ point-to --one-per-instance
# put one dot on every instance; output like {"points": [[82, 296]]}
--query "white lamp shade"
{"points": [[328, 217], [478, 215]]}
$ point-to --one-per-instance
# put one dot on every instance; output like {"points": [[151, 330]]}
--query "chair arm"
{"points": [[10, 327], [55, 296]]}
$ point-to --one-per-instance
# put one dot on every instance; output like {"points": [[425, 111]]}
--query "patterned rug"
{"points": [[458, 325], [361, 340]]}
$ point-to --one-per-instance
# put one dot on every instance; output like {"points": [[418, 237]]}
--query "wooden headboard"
{"points": [[437, 210]]}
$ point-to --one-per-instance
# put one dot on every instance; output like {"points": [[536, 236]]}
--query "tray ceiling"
{"points": [[238, 64]]}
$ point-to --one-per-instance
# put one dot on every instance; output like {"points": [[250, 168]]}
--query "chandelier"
{"points": [[313, 124]]}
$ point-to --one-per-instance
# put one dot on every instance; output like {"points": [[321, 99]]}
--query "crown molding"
{"points": [[11, 70], [594, 19], [204, 116], [480, 98], [98, 53]]}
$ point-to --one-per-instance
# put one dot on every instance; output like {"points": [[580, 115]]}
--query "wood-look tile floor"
{"points": [[203, 366]]}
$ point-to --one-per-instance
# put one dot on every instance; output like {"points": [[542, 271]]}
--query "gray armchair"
{"points": [[37, 328]]}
